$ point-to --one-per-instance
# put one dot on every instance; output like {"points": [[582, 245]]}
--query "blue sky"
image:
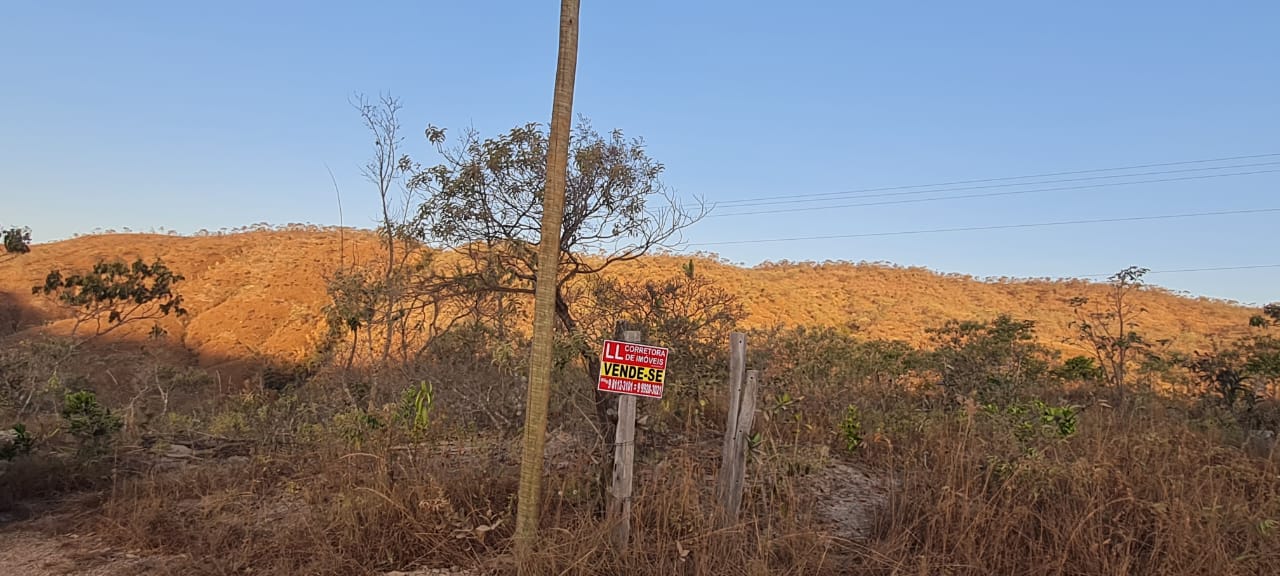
{"points": [[211, 115]]}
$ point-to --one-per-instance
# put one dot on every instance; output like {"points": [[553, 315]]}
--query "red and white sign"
{"points": [[635, 369]]}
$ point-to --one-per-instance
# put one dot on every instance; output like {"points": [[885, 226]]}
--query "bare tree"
{"points": [[378, 302], [383, 170], [1109, 327]]}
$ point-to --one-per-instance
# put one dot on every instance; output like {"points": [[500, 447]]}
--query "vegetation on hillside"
{"points": [[113, 294], [17, 240]]}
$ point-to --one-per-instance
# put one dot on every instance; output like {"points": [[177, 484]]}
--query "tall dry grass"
{"points": [[334, 509], [297, 481], [1137, 491]]}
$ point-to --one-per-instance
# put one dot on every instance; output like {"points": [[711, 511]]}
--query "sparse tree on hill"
{"points": [[1263, 354], [1270, 316], [989, 361], [1109, 327], [17, 240], [113, 294]]}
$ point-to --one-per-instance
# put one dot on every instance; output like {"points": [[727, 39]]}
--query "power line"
{"points": [[1181, 270], [990, 194], [744, 204], [995, 227], [1007, 178]]}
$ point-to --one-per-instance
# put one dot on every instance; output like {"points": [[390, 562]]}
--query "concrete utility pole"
{"points": [[545, 286]]}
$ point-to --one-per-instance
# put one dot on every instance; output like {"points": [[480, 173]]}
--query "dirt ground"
{"points": [[27, 549]]}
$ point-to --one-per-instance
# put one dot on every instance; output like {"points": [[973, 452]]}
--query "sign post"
{"points": [[632, 370]]}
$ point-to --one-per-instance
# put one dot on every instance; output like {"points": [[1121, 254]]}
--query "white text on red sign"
{"points": [[628, 368]]}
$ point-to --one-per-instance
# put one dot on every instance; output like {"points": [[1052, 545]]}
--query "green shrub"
{"points": [[15, 442], [851, 428], [89, 421], [1079, 369], [1061, 420], [416, 405], [996, 361], [17, 240], [229, 423], [356, 425], [1034, 421]]}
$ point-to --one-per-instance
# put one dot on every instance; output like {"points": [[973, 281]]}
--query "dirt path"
{"points": [[27, 550]]}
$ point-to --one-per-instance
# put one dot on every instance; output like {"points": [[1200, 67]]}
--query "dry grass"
{"points": [[322, 511], [295, 481], [335, 510], [1137, 491], [1142, 488]]}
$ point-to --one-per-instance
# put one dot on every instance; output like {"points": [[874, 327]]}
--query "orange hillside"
{"points": [[261, 293]]}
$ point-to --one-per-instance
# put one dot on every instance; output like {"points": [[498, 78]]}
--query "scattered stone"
{"points": [[1260, 442], [179, 452], [450, 571]]}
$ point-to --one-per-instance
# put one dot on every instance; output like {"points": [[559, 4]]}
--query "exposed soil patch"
{"points": [[849, 498], [27, 549]]}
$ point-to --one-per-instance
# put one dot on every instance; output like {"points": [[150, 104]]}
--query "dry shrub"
{"points": [[674, 528], [322, 510], [1135, 492], [329, 508]]}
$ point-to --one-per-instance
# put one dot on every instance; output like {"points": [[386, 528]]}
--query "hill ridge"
{"points": [[261, 292]]}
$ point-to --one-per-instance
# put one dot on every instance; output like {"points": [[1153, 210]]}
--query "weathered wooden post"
{"points": [[742, 437], [624, 452], [630, 369], [741, 415]]}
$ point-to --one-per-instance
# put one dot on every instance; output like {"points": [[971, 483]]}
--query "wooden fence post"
{"points": [[732, 456], [741, 436], [624, 451]]}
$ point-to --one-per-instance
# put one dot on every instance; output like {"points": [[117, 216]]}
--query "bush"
{"points": [[356, 425], [1132, 491], [17, 240], [811, 375], [851, 428], [15, 442], [1079, 369], [416, 405], [86, 417], [88, 421], [994, 361]]}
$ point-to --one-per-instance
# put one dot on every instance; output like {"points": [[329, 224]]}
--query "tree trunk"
{"points": [[603, 400], [545, 290]]}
